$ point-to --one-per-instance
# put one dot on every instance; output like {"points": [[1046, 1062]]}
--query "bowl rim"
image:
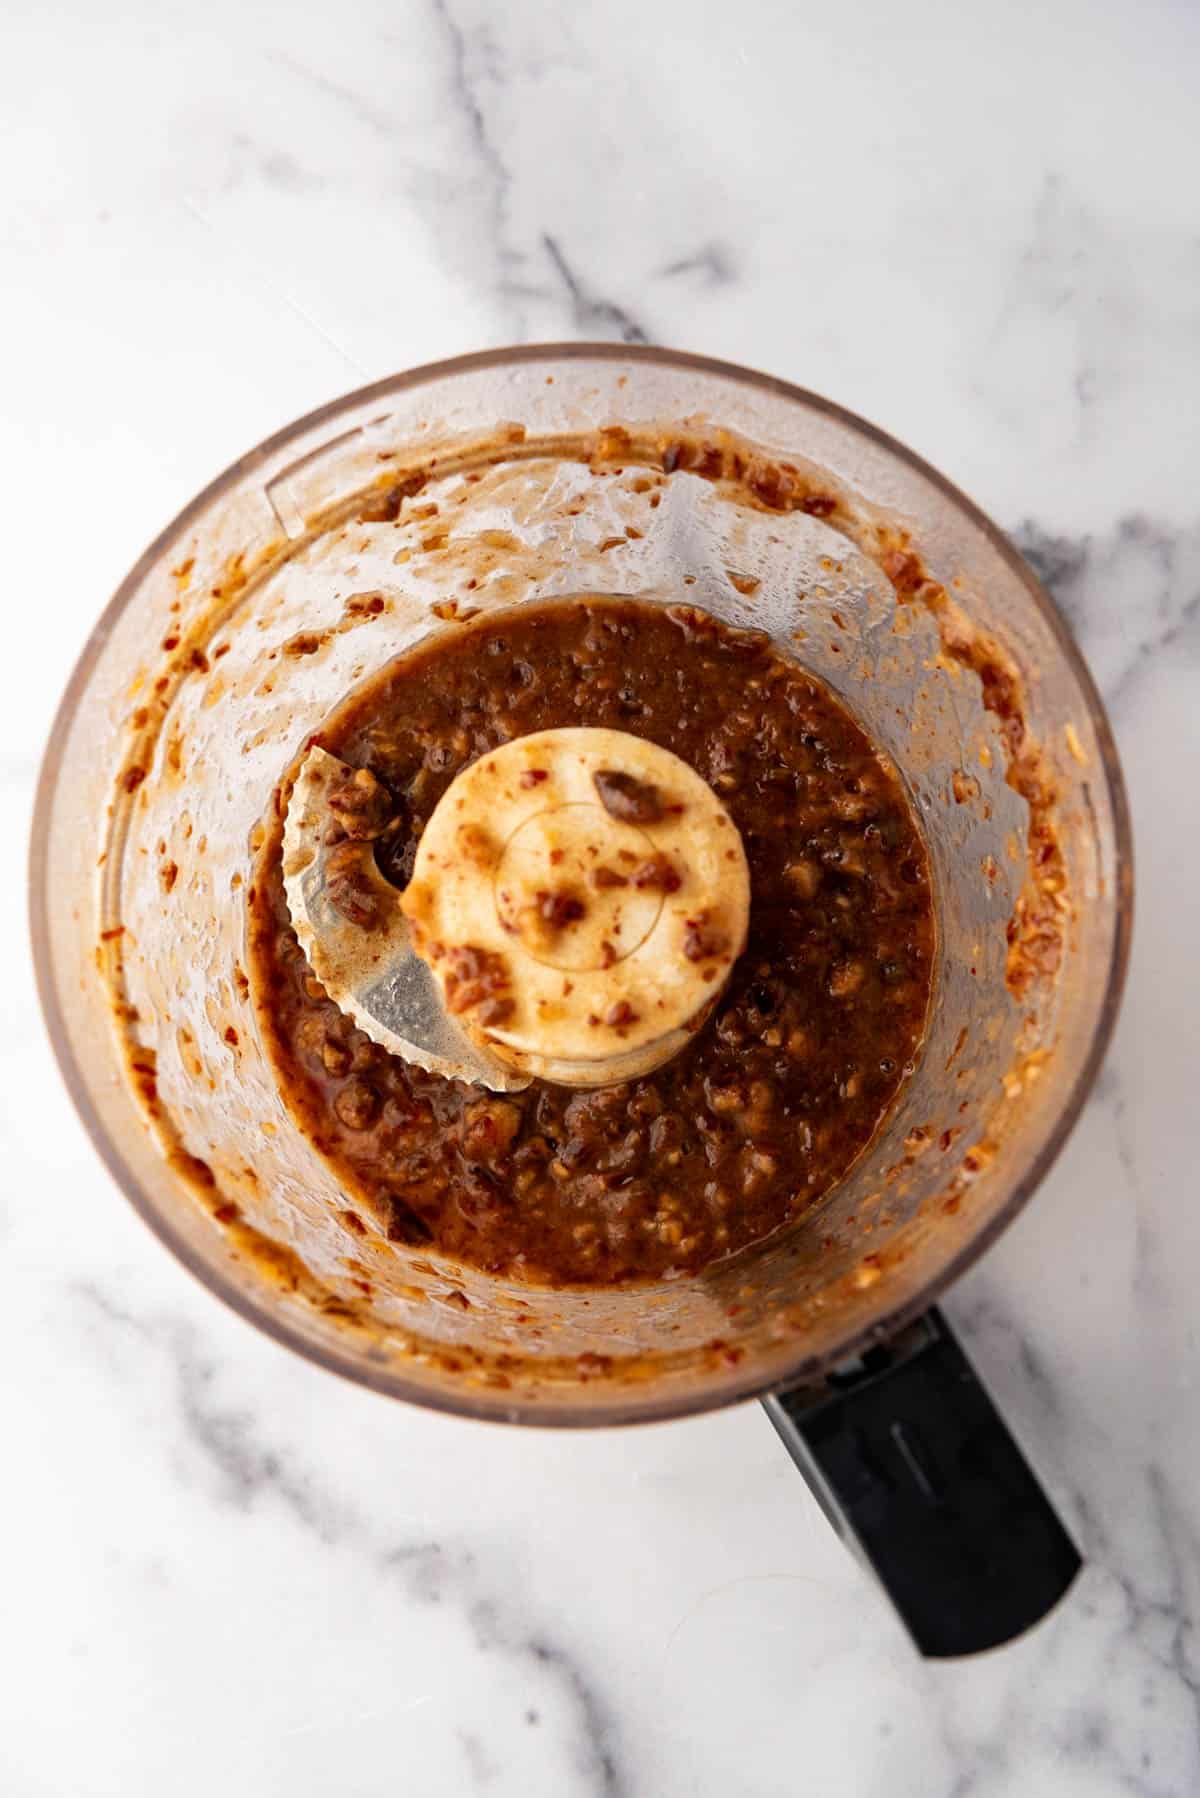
{"points": [[624, 1407]]}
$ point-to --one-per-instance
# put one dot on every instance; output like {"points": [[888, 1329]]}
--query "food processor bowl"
{"points": [[501, 480]]}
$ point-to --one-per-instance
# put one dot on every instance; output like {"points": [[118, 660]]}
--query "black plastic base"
{"points": [[916, 1470]]}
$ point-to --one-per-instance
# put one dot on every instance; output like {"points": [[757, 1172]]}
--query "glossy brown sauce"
{"points": [[803, 1055]]}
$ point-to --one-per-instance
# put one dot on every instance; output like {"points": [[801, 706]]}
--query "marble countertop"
{"points": [[227, 1571]]}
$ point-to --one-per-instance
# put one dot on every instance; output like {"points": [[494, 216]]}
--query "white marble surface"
{"points": [[225, 1571]]}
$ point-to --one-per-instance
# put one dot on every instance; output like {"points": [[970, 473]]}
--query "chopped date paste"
{"points": [[800, 1058]]}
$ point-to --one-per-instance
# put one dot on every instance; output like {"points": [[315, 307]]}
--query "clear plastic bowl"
{"points": [[183, 711]]}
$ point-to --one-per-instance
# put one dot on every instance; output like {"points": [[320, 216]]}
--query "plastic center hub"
{"points": [[566, 887], [580, 896]]}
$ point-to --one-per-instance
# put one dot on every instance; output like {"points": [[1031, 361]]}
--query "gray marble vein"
{"points": [[251, 1471], [710, 266], [378, 120], [473, 57], [592, 315], [1130, 593]]}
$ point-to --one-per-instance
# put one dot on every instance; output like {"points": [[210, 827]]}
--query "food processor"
{"points": [[516, 477]]}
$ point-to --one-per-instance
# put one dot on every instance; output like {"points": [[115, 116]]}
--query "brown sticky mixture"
{"points": [[801, 1056], [490, 1128]]}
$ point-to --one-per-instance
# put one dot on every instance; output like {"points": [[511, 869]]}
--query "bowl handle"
{"points": [[916, 1470]]}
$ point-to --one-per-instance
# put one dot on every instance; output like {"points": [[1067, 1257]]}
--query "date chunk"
{"points": [[704, 940], [361, 805], [628, 799], [357, 1105], [603, 878], [489, 1129], [657, 875], [478, 982], [349, 886]]}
